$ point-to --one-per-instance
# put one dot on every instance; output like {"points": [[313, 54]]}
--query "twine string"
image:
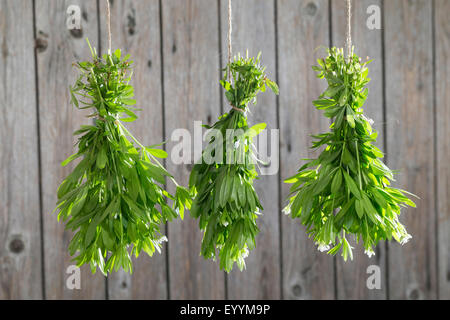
{"points": [[230, 51], [229, 40], [230, 29], [348, 44], [108, 24]]}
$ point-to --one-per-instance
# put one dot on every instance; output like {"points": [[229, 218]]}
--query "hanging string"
{"points": [[108, 23], [229, 40], [348, 44]]}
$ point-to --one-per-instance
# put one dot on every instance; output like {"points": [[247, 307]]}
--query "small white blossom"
{"points": [[162, 239], [367, 119], [236, 144], [369, 252], [405, 239], [323, 247], [287, 210]]}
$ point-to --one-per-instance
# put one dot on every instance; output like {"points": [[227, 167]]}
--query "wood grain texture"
{"points": [[59, 48], [352, 275], [409, 107], [20, 250], [135, 30], [302, 27], [191, 93], [254, 30], [442, 28]]}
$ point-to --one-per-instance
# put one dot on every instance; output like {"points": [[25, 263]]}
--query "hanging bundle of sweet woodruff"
{"points": [[111, 198], [346, 189], [222, 181]]}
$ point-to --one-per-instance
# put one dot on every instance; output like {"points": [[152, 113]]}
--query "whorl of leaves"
{"points": [[226, 202], [346, 189], [111, 198]]}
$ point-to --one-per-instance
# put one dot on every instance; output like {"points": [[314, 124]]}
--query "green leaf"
{"points": [[159, 153], [324, 103], [273, 86], [337, 182], [70, 159], [350, 120], [351, 185], [359, 208], [73, 99], [256, 129], [128, 102], [92, 230], [101, 158]]}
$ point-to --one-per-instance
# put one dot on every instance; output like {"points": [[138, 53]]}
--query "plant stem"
{"points": [[143, 148], [359, 165]]}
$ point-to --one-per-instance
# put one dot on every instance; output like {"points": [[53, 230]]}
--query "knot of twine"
{"points": [[237, 109]]}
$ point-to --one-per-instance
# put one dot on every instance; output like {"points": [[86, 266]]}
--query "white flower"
{"points": [[162, 239], [369, 252], [287, 210], [244, 253], [405, 239], [225, 223], [236, 144], [322, 247], [367, 119]]}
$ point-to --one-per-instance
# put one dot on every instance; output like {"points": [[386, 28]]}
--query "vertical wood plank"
{"points": [[442, 36], [303, 26], [254, 29], [58, 49], [135, 30], [191, 92], [351, 275], [409, 107], [20, 252]]}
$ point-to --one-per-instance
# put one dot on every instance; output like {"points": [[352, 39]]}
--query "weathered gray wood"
{"points": [[191, 92], [409, 107], [58, 49], [352, 275], [302, 27], [20, 252], [254, 29], [442, 27], [135, 30]]}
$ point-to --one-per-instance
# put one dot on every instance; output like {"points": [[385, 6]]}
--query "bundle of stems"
{"points": [[114, 199], [346, 190], [225, 201]]}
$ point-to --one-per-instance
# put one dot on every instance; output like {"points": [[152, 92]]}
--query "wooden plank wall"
{"points": [[409, 82], [442, 130], [179, 48]]}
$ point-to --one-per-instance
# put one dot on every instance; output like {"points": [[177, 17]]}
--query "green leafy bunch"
{"points": [[346, 190], [225, 201], [111, 198]]}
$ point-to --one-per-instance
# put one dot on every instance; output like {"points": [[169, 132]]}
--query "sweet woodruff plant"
{"points": [[113, 200], [346, 190], [226, 203]]}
